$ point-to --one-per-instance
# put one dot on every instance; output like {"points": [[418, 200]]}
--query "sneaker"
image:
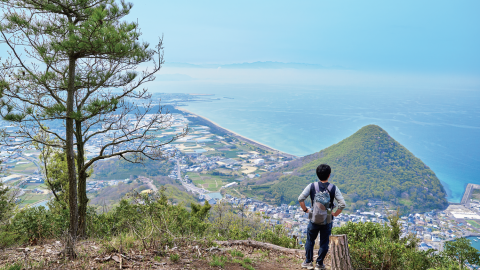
{"points": [[320, 267], [307, 265]]}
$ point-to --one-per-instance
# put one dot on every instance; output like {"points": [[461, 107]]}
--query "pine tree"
{"points": [[461, 251], [80, 70]]}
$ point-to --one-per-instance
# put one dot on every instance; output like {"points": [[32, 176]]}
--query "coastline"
{"points": [[238, 136]]}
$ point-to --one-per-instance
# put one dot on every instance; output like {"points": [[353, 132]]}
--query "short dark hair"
{"points": [[323, 172]]}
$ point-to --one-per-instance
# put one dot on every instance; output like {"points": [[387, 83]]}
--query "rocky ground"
{"points": [[103, 255]]}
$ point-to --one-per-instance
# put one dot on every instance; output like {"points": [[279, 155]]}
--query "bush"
{"points": [[374, 246], [37, 223], [147, 219], [174, 257], [8, 239], [218, 261], [277, 236]]}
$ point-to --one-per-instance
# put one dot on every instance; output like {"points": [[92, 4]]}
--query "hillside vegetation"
{"points": [[110, 196], [367, 165]]}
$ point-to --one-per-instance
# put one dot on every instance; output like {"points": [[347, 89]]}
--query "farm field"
{"points": [[30, 198], [474, 223], [476, 194], [208, 182], [24, 168]]}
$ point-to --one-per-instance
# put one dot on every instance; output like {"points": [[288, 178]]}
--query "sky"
{"points": [[440, 37]]}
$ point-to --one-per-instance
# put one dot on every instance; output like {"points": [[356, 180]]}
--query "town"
{"points": [[211, 165]]}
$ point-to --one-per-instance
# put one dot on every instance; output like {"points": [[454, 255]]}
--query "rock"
{"points": [[116, 258]]}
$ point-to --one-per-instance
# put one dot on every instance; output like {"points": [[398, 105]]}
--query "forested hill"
{"points": [[367, 165]]}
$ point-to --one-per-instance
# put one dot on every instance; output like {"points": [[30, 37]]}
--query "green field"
{"points": [[24, 168], [405, 202], [209, 182], [475, 224], [30, 198], [231, 154], [476, 194], [33, 186]]}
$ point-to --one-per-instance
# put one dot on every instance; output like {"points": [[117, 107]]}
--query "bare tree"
{"points": [[75, 73]]}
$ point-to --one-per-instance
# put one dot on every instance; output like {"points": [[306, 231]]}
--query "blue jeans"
{"points": [[312, 233]]}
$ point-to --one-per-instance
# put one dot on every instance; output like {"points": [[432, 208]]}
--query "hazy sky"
{"points": [[428, 36]]}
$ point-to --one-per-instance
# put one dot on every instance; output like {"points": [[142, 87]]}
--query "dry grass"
{"points": [[127, 253]]}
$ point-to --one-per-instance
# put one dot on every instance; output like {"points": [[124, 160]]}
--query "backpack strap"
{"points": [[314, 189], [331, 189]]}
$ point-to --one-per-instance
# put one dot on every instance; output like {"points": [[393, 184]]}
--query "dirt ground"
{"points": [[98, 255]]}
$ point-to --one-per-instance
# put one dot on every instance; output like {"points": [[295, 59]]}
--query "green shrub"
{"points": [[8, 238], [16, 266], [37, 223], [247, 260], [174, 257], [277, 236], [236, 253], [374, 246], [218, 261]]}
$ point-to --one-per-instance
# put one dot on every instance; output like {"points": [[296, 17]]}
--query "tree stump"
{"points": [[340, 252]]}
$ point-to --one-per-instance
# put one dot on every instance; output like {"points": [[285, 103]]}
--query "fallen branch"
{"points": [[261, 245]]}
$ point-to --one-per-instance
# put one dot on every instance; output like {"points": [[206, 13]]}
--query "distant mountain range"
{"points": [[368, 165], [255, 65]]}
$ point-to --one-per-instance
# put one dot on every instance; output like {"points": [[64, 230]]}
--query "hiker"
{"points": [[322, 195]]}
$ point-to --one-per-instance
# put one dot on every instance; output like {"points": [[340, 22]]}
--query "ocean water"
{"points": [[441, 127], [475, 244]]}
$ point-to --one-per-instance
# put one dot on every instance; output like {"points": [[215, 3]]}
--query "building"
{"points": [[259, 161], [230, 184]]}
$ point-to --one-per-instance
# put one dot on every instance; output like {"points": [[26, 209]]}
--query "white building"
{"points": [[230, 184], [259, 161]]}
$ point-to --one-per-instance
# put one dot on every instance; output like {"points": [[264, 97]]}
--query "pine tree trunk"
{"points": [[72, 178], [340, 253], [82, 183]]}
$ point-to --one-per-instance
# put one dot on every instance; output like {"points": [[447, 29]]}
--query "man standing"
{"points": [[324, 224]]}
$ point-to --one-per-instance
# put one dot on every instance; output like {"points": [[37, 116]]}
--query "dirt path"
{"points": [[94, 255]]}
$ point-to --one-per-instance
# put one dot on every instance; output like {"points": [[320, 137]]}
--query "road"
{"points": [[179, 174], [468, 193], [193, 188], [188, 187]]}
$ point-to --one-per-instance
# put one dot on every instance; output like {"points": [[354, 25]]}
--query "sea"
{"points": [[439, 126], [475, 244]]}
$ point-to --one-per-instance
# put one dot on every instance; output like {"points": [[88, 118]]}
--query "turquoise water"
{"points": [[441, 127], [215, 195], [475, 244]]}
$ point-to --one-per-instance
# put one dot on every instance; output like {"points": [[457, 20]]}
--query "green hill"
{"points": [[367, 165], [110, 196]]}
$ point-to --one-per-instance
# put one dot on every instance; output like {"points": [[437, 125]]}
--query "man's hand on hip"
{"points": [[337, 212]]}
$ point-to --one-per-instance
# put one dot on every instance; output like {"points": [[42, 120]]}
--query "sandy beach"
{"points": [[238, 136]]}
